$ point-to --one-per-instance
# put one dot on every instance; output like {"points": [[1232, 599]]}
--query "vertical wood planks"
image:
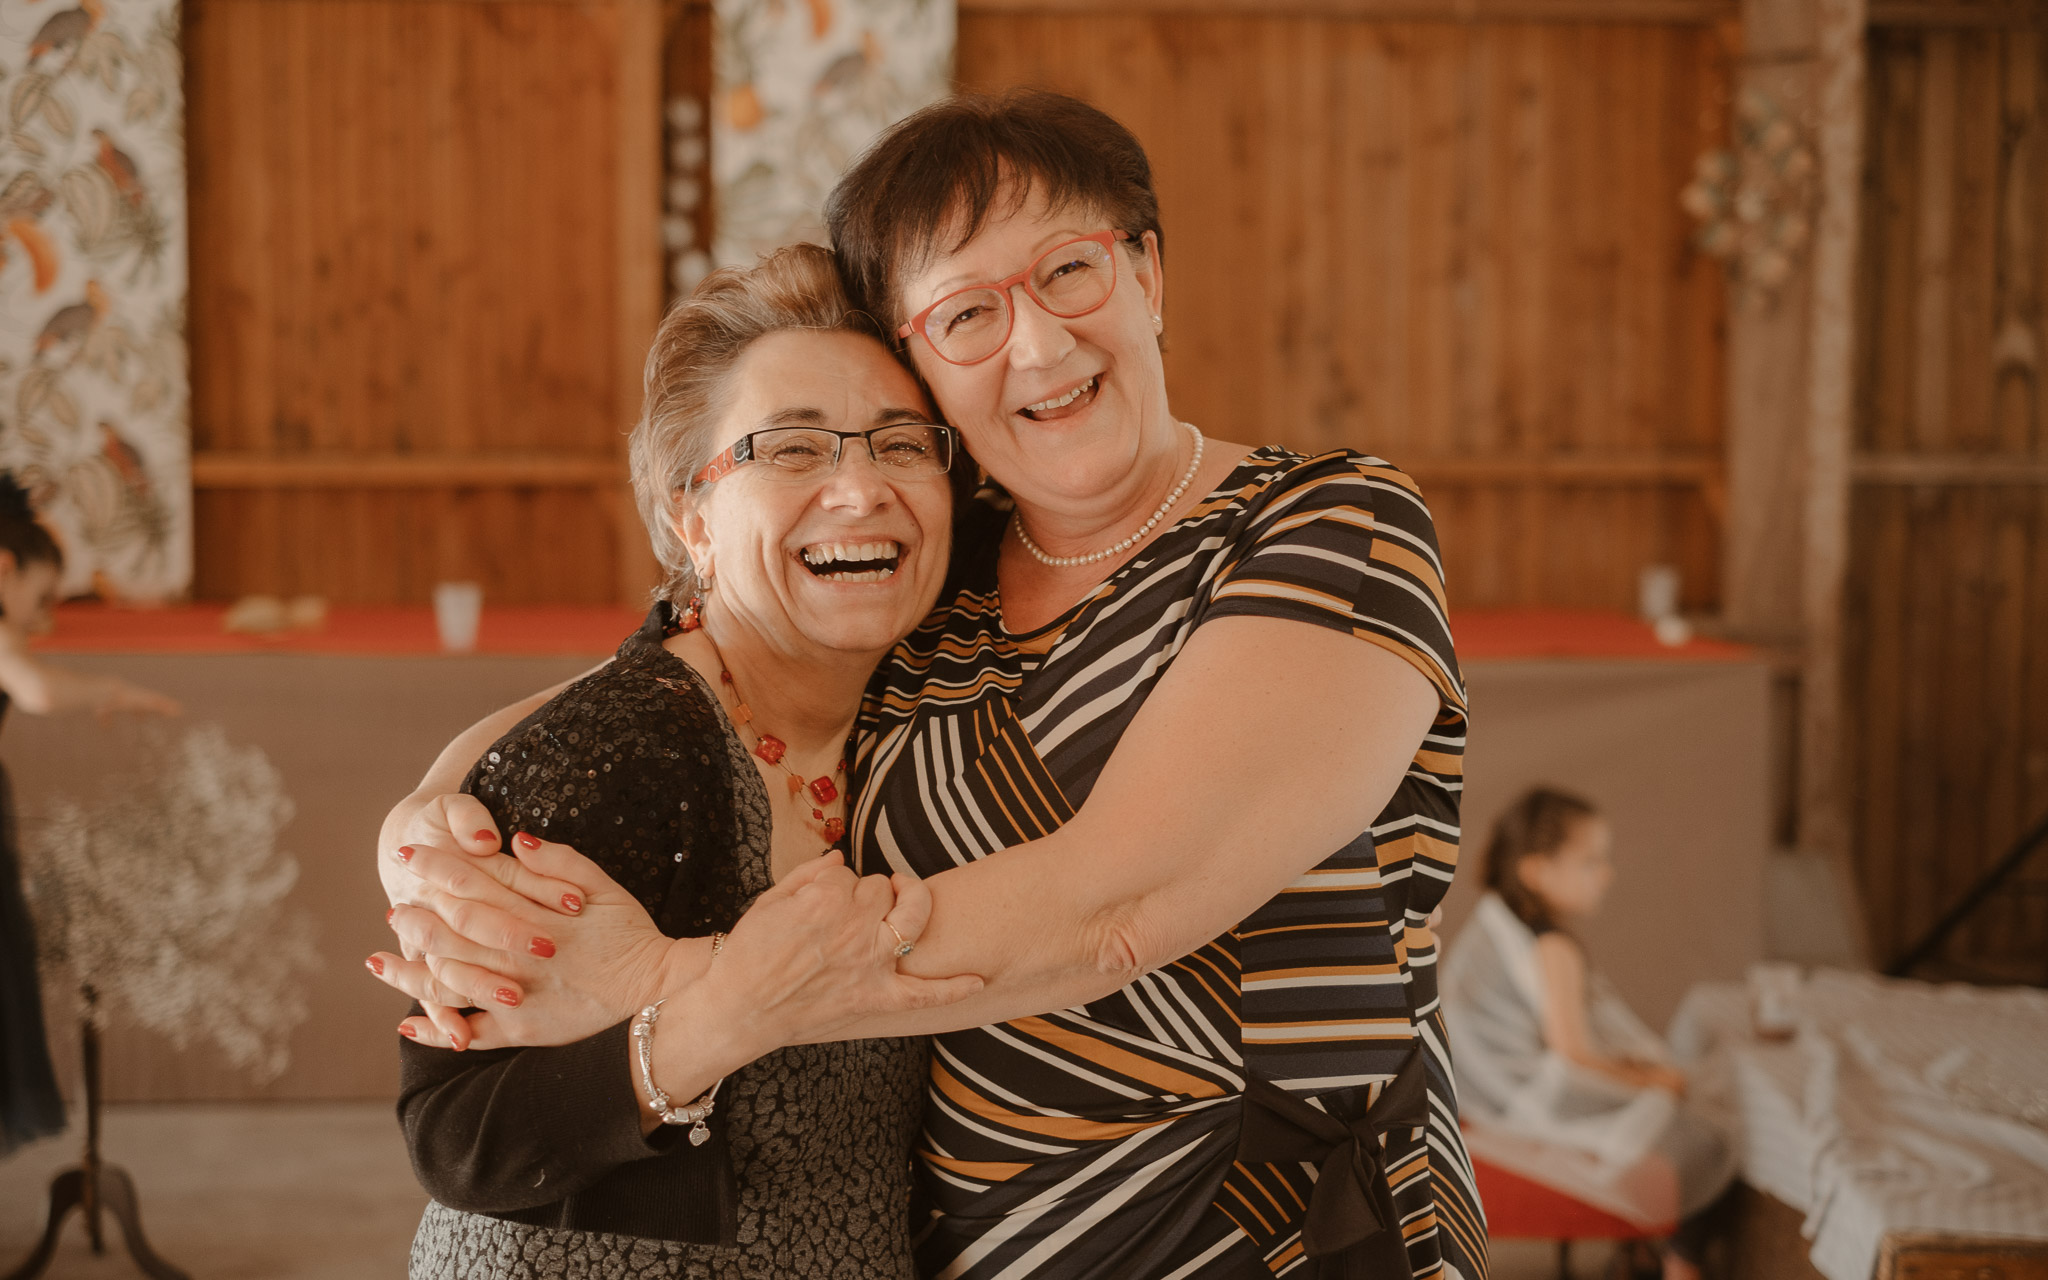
{"points": [[1435, 242], [1947, 662], [415, 234]]}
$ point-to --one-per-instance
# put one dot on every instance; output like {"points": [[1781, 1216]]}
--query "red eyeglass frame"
{"points": [[1107, 239]]}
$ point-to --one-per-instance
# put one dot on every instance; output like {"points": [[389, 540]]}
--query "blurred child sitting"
{"points": [[30, 565], [1544, 1048]]}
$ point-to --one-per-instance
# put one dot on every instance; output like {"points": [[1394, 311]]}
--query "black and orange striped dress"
{"points": [[1105, 1141]]}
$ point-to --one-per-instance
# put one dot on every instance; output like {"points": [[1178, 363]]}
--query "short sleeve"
{"points": [[1347, 542]]}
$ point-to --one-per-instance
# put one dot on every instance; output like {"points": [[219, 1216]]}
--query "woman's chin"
{"points": [[859, 617]]}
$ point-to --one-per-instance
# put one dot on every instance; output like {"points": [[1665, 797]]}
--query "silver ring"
{"points": [[903, 948]]}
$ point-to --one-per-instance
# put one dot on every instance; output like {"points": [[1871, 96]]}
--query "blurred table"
{"points": [[351, 714], [1673, 741], [1904, 1122]]}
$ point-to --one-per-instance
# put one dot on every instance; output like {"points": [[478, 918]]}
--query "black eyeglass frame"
{"points": [[743, 449]]}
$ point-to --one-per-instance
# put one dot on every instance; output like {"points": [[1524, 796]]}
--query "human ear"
{"points": [[687, 515], [1150, 273]]}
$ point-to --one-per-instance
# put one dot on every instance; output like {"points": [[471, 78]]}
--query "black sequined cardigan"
{"points": [[630, 766]]}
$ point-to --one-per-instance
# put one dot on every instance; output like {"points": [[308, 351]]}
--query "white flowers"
{"points": [[164, 893]]}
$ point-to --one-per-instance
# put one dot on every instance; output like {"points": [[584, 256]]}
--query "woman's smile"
{"points": [[1075, 400], [853, 561]]}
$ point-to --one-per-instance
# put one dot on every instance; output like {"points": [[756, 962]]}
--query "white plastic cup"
{"points": [[1657, 592], [458, 607], [1774, 988]]}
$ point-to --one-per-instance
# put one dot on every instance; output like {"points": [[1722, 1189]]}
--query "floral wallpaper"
{"points": [[93, 381], [800, 87]]}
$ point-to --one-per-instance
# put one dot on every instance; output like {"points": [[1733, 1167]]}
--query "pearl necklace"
{"points": [[1059, 562]]}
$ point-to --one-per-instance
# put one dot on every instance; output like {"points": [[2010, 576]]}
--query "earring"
{"points": [[693, 615], [1158, 325]]}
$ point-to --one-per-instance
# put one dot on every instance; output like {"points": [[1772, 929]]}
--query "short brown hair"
{"points": [[1535, 826], [688, 372], [943, 171]]}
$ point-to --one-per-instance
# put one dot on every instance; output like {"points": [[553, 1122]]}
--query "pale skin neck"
{"points": [[1035, 593], [808, 699], [1076, 526]]}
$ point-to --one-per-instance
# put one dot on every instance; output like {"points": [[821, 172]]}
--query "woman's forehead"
{"points": [[821, 378]]}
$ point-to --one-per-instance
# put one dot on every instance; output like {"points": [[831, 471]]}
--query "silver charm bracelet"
{"points": [[693, 1114]]}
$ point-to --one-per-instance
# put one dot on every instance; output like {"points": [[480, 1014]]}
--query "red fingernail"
{"points": [[405, 853], [542, 947], [389, 914], [376, 965], [571, 903], [405, 1029], [507, 996], [526, 841], [488, 837]]}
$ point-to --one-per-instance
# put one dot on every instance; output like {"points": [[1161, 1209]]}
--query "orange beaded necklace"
{"points": [[821, 790]]}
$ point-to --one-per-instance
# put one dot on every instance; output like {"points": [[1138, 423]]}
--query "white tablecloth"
{"points": [[1896, 1106]]}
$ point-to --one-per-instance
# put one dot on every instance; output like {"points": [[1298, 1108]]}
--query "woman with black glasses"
{"points": [[797, 492]]}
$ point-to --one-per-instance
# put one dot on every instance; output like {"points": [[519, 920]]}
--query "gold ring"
{"points": [[903, 948]]}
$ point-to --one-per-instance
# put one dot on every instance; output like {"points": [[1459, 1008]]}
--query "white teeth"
{"points": [[1061, 402], [848, 552], [871, 575]]}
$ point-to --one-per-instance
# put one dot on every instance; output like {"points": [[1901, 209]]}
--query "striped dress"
{"points": [[1103, 1141]]}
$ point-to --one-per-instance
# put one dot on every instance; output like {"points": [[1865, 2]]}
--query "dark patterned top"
{"points": [[808, 1169], [1102, 1141]]}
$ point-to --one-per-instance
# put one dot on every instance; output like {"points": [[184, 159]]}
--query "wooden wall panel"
{"points": [[1948, 594], [1457, 245], [407, 245]]}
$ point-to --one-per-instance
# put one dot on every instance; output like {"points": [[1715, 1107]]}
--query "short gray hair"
{"points": [[689, 370]]}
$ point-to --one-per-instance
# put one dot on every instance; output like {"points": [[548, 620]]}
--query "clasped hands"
{"points": [[541, 947]]}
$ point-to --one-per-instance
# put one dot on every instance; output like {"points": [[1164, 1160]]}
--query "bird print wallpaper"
{"points": [[799, 88], [93, 379]]}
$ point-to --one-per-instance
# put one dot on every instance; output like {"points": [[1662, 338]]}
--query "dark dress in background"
{"points": [[30, 1106]]}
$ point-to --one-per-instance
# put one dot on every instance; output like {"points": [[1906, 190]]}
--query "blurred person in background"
{"points": [[1546, 1048], [31, 564]]}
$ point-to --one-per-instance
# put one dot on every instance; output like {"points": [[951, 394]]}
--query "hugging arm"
{"points": [[501, 1130], [1282, 729], [1302, 701], [1267, 746]]}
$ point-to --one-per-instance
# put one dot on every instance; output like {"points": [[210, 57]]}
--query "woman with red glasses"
{"points": [[1177, 756]]}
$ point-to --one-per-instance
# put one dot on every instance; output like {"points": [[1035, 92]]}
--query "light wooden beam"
{"points": [[1947, 469], [1617, 469], [1824, 825], [395, 471]]}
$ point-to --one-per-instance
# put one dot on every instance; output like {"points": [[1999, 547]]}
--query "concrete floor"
{"points": [[265, 1191], [296, 1191]]}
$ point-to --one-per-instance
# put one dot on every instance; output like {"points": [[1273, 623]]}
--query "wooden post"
{"points": [[640, 272], [1824, 824], [1767, 374]]}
